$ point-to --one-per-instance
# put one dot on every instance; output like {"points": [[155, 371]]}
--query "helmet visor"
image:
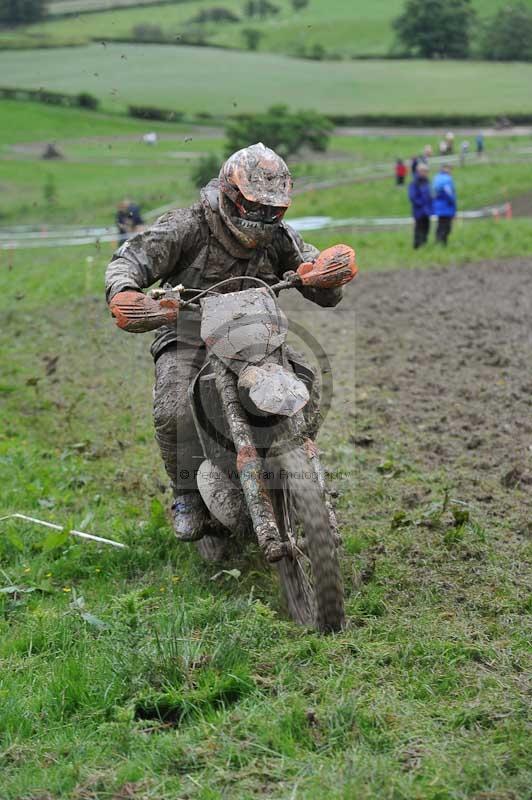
{"points": [[257, 212]]}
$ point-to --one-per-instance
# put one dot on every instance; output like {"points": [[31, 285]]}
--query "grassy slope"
{"points": [[343, 27], [30, 122], [105, 160], [420, 698], [203, 79]]}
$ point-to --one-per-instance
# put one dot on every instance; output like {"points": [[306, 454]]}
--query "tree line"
{"points": [[425, 29], [432, 29]]}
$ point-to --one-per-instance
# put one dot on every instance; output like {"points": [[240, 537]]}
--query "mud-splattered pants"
{"points": [[174, 425]]}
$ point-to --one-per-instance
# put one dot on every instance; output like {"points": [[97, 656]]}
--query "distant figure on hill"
{"points": [[444, 203], [480, 143], [51, 151], [464, 150], [401, 171], [421, 202], [128, 219], [449, 139]]}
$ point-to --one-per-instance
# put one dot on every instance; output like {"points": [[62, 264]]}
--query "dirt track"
{"points": [[443, 374]]}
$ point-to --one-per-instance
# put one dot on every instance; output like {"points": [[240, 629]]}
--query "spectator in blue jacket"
{"points": [[444, 203], [421, 202]]}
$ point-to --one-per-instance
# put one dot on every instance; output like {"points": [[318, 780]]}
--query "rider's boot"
{"points": [[190, 517]]}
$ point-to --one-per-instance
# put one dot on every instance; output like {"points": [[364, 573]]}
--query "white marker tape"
{"points": [[73, 532]]}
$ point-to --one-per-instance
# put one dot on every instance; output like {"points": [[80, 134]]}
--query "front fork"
{"points": [[249, 466]]}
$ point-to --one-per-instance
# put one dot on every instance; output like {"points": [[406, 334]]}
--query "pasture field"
{"points": [[146, 674], [225, 82], [340, 27], [104, 159], [140, 674]]}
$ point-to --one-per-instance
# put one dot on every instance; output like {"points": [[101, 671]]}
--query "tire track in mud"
{"points": [[438, 364]]}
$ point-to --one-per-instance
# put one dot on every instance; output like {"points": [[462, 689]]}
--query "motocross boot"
{"points": [[190, 517]]}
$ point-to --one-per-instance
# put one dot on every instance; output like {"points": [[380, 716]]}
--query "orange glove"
{"points": [[136, 312], [334, 267]]}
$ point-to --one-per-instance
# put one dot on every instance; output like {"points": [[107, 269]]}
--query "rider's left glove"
{"points": [[136, 312]]}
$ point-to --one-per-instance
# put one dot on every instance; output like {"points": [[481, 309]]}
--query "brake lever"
{"points": [[167, 291], [290, 280]]}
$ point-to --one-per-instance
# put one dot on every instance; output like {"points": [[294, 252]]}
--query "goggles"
{"points": [[256, 212]]}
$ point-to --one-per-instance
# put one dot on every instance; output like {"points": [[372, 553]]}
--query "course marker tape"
{"points": [[73, 532]]}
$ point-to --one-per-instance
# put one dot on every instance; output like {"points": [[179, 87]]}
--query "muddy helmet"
{"points": [[255, 187]]}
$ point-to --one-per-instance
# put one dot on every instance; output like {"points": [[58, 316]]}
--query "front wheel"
{"points": [[310, 576]]}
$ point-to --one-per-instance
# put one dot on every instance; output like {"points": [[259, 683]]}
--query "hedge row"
{"points": [[88, 101], [151, 112], [430, 120], [81, 100], [112, 7], [184, 40]]}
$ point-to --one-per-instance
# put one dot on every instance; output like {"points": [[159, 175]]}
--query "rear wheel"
{"points": [[311, 576]]}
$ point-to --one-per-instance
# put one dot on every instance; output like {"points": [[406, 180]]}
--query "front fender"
{"points": [[273, 389]]}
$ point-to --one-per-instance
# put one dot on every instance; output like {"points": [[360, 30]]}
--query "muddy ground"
{"points": [[435, 367]]}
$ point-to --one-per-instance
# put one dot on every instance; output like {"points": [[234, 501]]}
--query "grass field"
{"points": [[137, 675], [104, 159], [341, 27], [203, 79], [144, 675]]}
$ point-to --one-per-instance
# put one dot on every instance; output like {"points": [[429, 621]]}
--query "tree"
{"points": [[21, 12], [280, 129], [205, 170], [508, 35], [435, 29], [252, 37], [297, 5], [215, 14], [260, 8]]}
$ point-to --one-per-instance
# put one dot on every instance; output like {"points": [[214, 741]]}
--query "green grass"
{"points": [[469, 242], [347, 29], [477, 186], [137, 673], [37, 122], [174, 684], [104, 160], [203, 79], [88, 193]]}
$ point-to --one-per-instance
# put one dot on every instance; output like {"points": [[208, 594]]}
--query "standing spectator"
{"points": [[413, 165], [444, 203], [400, 171], [427, 152], [449, 139], [480, 143], [128, 220], [421, 202], [464, 150]]}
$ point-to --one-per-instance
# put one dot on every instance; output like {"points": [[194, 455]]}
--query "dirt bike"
{"points": [[261, 475]]}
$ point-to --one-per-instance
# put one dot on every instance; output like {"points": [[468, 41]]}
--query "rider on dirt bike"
{"points": [[236, 229]]}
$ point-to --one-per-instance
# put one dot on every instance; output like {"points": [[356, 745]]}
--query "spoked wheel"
{"points": [[311, 577]]}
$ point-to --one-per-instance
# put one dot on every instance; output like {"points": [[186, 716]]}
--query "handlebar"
{"points": [[175, 292]]}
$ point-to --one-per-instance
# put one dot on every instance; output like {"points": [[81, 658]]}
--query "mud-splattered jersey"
{"points": [[193, 247]]}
